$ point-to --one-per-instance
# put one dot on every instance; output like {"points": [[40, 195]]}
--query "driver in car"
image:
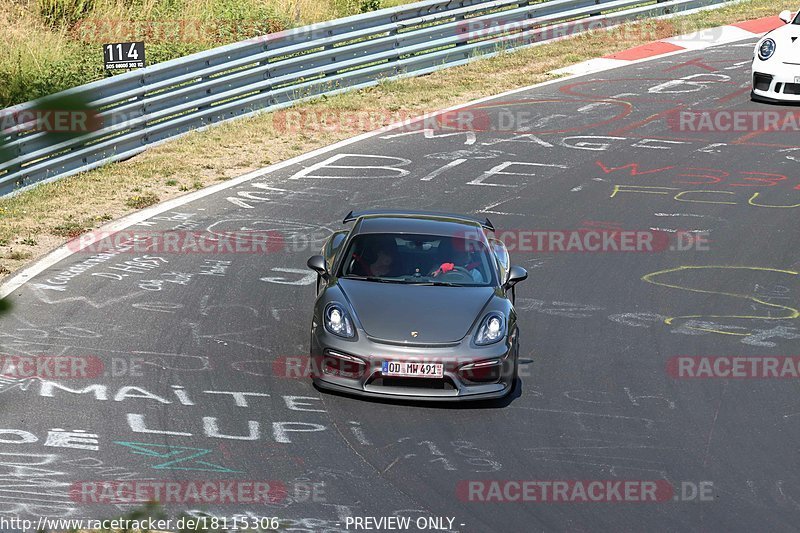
{"points": [[463, 259]]}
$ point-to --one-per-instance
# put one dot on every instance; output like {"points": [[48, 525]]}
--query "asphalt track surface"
{"points": [[596, 401]]}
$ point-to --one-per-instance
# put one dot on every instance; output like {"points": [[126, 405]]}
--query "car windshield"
{"points": [[797, 19], [419, 259]]}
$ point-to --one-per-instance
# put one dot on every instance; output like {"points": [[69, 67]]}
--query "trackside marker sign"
{"points": [[123, 55]]}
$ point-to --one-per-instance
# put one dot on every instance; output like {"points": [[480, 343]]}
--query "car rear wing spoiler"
{"points": [[354, 215]]}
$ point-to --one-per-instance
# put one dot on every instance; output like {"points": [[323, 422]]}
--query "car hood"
{"points": [[391, 311], [787, 43]]}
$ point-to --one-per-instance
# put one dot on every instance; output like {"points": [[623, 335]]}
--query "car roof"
{"points": [[421, 224]]}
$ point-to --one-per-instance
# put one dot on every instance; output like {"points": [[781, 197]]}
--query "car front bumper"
{"points": [[776, 82], [370, 381]]}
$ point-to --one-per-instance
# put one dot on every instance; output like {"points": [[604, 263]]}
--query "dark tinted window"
{"points": [[407, 258]]}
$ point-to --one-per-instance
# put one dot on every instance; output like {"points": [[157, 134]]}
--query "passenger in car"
{"points": [[380, 258]]}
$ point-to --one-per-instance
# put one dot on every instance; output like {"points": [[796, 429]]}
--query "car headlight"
{"points": [[766, 49], [338, 322], [492, 329]]}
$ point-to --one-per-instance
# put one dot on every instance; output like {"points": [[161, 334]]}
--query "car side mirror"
{"points": [[515, 275], [785, 16], [317, 264]]}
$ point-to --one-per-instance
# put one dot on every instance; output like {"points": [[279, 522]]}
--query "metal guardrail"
{"points": [[144, 107]]}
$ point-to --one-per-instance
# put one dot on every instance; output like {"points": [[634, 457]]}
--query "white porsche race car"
{"points": [[776, 63]]}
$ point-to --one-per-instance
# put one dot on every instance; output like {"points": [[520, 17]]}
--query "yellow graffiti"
{"points": [[755, 195], [678, 197], [650, 189], [790, 312]]}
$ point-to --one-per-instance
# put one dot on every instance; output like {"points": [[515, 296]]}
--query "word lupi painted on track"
{"points": [[209, 426]]}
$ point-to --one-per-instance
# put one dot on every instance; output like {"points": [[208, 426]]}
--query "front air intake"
{"points": [[762, 81]]}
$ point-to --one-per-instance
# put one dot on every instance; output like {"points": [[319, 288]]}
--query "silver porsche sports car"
{"points": [[417, 306]]}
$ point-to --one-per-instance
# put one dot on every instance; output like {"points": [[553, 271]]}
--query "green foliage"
{"points": [[236, 20], [64, 12], [369, 5], [24, 79], [69, 228], [25, 76], [142, 200], [345, 8], [19, 256]]}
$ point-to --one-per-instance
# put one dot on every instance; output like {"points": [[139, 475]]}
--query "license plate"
{"points": [[412, 369]]}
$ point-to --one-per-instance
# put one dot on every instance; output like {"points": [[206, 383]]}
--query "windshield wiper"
{"points": [[436, 283], [373, 278]]}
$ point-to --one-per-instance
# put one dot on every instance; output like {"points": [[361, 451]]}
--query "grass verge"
{"points": [[36, 221], [51, 45]]}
